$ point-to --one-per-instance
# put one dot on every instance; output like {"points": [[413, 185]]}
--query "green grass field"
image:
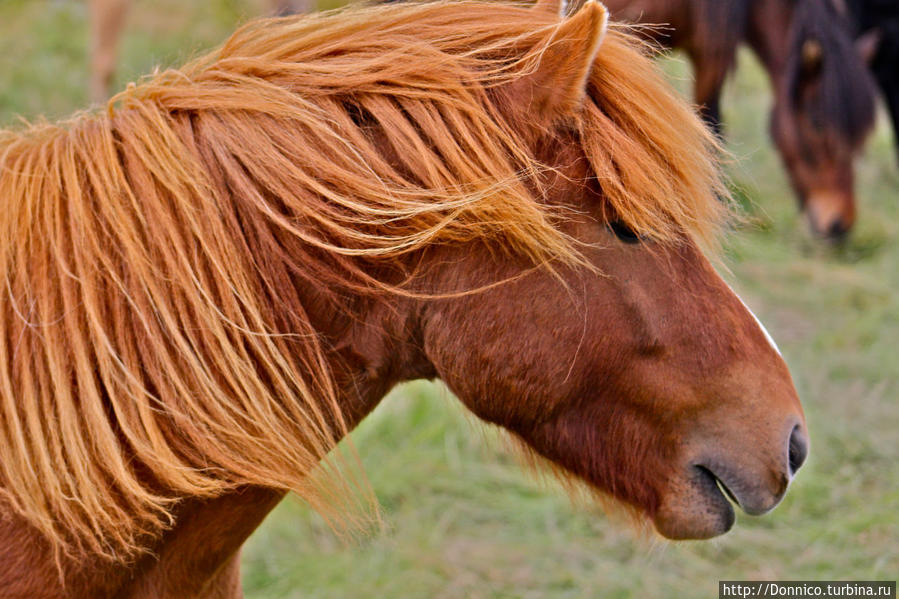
{"points": [[462, 519]]}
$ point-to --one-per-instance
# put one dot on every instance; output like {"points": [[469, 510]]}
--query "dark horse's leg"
{"points": [[886, 72], [891, 95], [709, 72]]}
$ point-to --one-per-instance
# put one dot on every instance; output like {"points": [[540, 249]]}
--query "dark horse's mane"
{"points": [[157, 258], [843, 98]]}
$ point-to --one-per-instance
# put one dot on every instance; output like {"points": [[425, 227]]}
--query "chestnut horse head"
{"points": [[658, 384], [823, 113], [210, 284]]}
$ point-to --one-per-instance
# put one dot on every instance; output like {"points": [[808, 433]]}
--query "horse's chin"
{"points": [[695, 507]]}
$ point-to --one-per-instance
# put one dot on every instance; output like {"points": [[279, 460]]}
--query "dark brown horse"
{"points": [[212, 282], [823, 106]]}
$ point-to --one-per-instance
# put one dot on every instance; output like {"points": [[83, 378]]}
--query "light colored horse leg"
{"points": [[107, 19], [287, 7]]}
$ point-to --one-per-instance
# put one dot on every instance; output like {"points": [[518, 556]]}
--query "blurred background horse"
{"points": [[823, 107]]}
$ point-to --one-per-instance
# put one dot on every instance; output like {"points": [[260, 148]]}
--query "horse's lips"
{"points": [[753, 506], [720, 485], [719, 495]]}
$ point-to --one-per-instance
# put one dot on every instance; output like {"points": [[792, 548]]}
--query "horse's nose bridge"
{"points": [[648, 315], [757, 378], [761, 327], [670, 316], [688, 312]]}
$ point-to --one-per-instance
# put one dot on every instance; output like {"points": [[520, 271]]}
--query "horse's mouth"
{"points": [[701, 504], [710, 484], [715, 494], [750, 499]]}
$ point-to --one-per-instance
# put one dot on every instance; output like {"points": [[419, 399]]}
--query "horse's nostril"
{"points": [[798, 449]]}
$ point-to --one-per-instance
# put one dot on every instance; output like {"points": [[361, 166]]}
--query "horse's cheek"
{"points": [[513, 372]]}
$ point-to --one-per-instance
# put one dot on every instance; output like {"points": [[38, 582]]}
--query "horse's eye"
{"points": [[623, 232]]}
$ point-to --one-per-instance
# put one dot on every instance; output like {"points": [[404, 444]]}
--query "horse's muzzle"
{"points": [[699, 505]]}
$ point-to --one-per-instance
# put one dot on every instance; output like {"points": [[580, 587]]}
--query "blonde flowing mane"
{"points": [[153, 341]]}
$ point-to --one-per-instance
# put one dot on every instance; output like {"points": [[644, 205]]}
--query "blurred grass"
{"points": [[462, 518]]}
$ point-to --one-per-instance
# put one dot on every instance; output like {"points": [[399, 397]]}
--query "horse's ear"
{"points": [[558, 83]]}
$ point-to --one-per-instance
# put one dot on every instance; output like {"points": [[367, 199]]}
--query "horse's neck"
{"points": [[198, 557], [768, 34]]}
